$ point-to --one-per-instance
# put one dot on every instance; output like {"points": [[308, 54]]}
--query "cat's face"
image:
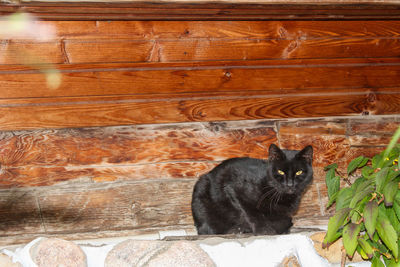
{"points": [[290, 171]]}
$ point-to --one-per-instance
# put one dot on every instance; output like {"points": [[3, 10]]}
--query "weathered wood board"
{"points": [[206, 10], [111, 181]]}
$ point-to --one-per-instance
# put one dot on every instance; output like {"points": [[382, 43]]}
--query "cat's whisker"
{"points": [[264, 196]]}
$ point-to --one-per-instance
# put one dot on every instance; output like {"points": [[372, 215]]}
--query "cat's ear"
{"points": [[275, 153], [306, 154]]}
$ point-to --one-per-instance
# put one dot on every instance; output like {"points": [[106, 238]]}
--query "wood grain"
{"points": [[17, 52], [281, 79], [19, 213], [181, 96], [188, 110], [204, 11], [95, 204], [229, 49], [47, 157], [143, 41]]}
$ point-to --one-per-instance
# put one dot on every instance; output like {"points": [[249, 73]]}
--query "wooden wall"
{"points": [[140, 72], [145, 107]]}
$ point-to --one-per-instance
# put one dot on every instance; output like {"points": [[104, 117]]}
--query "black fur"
{"points": [[248, 195]]}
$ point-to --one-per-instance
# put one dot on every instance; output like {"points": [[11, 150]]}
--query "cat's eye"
{"points": [[299, 172], [281, 172]]}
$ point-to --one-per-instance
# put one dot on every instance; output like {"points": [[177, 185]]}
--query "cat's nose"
{"points": [[290, 182]]}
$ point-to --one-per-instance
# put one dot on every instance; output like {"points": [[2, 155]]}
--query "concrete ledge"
{"points": [[291, 250]]}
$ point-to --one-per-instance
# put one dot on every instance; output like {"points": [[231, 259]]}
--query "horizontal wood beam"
{"points": [[199, 10]]}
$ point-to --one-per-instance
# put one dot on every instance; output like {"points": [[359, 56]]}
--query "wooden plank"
{"points": [[281, 79], [287, 30], [328, 139], [310, 204], [107, 114], [46, 157], [255, 30], [109, 51], [30, 53], [117, 207], [230, 49], [203, 11], [19, 212]]}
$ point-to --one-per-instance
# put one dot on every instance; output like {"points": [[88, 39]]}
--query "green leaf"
{"points": [[376, 262], [392, 143], [394, 221], [363, 162], [389, 192], [370, 216], [362, 253], [367, 172], [335, 237], [392, 263], [396, 204], [332, 182], [393, 174], [363, 190], [335, 222], [350, 236], [381, 179], [376, 160], [386, 232], [332, 199], [366, 248], [332, 166], [343, 198], [353, 165]]}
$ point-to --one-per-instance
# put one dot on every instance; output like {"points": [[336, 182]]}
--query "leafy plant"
{"points": [[367, 215]]}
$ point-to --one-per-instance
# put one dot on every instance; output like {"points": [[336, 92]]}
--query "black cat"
{"points": [[248, 195]]}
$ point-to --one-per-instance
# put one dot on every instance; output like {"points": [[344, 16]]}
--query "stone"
{"points": [[290, 261], [183, 254], [334, 253], [50, 252], [6, 261], [133, 253]]}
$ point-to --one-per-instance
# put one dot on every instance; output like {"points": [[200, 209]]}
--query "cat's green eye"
{"points": [[281, 172], [299, 172]]}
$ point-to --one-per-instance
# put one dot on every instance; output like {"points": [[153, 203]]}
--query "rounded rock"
{"points": [[50, 252]]}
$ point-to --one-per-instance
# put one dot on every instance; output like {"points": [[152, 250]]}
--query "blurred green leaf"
{"points": [[355, 163], [367, 172], [350, 236], [392, 263], [381, 179], [392, 143], [332, 199], [332, 182], [386, 232], [332, 166], [335, 222], [376, 262], [362, 253], [389, 192], [343, 198], [370, 217], [376, 160], [362, 191], [396, 204], [394, 221], [366, 248]]}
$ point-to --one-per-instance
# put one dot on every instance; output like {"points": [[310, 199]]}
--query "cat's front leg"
{"points": [[273, 226]]}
